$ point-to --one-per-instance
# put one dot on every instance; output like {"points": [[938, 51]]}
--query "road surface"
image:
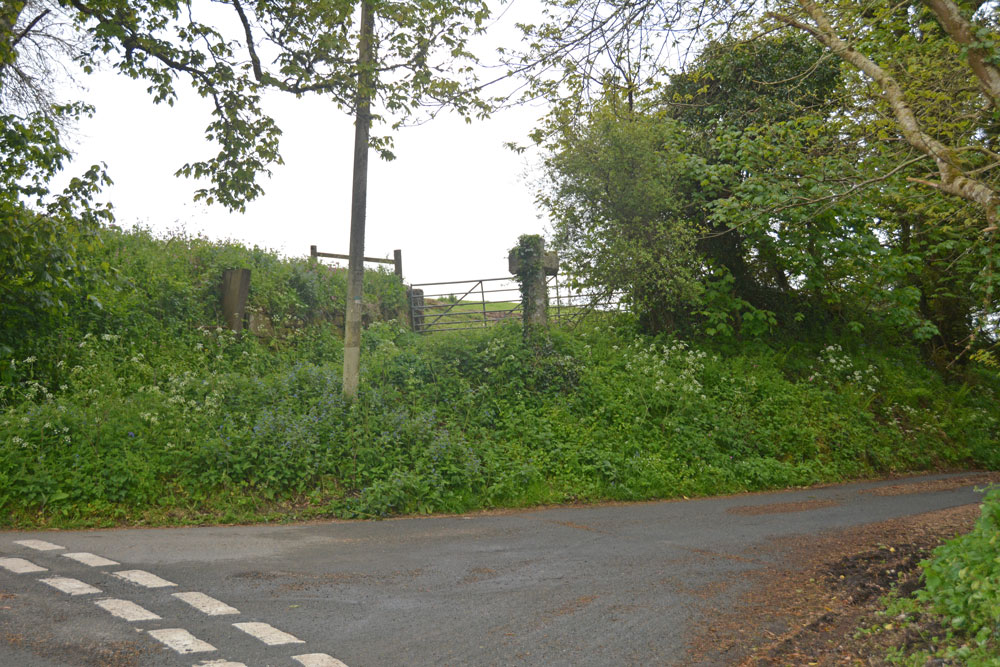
{"points": [[594, 585]]}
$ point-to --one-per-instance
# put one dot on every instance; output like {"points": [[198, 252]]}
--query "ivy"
{"points": [[962, 579], [529, 261]]}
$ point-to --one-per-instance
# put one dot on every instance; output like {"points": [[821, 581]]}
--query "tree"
{"points": [[584, 42], [620, 214], [642, 190], [44, 235], [958, 162], [232, 51], [32, 40], [839, 178]]}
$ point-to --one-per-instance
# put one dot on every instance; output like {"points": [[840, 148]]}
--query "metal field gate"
{"points": [[463, 305]]}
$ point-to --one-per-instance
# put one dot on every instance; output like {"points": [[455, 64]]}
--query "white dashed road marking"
{"points": [[90, 559], [20, 566], [177, 639], [39, 545], [127, 610], [181, 641], [206, 605], [317, 660], [268, 634], [143, 578], [70, 586]]}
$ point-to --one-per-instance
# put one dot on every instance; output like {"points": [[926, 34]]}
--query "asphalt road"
{"points": [[598, 585]]}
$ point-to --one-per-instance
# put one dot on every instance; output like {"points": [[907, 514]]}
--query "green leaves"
{"points": [[614, 188], [46, 235], [231, 53], [962, 578]]}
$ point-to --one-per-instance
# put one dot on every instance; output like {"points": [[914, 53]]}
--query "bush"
{"points": [[962, 579]]}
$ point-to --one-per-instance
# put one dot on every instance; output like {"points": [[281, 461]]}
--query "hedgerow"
{"points": [[216, 426], [146, 409]]}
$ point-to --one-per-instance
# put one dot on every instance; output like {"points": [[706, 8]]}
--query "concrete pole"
{"points": [[359, 201]]}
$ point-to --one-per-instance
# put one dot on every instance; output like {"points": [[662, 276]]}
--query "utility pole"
{"points": [[359, 201]]}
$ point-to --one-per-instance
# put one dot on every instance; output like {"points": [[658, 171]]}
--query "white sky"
{"points": [[454, 201]]}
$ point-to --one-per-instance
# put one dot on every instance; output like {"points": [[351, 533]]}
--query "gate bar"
{"points": [[456, 282], [396, 261], [454, 304]]}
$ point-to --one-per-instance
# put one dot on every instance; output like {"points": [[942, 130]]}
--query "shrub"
{"points": [[962, 579]]}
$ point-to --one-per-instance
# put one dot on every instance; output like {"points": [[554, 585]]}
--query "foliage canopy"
{"points": [[778, 176]]}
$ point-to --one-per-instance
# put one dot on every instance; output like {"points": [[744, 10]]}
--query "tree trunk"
{"points": [[359, 203], [963, 32]]}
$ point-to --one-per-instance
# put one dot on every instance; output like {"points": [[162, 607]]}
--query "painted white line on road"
{"points": [[70, 586], [317, 660], [219, 663], [268, 634], [206, 605], [20, 566], [90, 559], [39, 545], [143, 578], [181, 640], [127, 610]]}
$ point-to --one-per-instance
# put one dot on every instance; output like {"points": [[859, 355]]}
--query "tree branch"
{"points": [[963, 32], [254, 59], [28, 27], [953, 179]]}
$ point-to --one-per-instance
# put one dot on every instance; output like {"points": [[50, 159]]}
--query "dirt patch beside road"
{"points": [[782, 508], [934, 485], [804, 609]]}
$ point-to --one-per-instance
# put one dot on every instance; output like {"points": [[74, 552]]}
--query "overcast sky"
{"points": [[454, 201]]}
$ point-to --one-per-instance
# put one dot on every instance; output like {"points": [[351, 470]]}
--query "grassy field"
{"points": [[442, 315]]}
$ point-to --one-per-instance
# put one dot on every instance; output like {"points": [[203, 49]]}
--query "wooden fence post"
{"points": [[235, 290], [397, 260]]}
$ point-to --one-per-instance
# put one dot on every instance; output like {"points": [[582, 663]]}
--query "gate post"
{"points": [[416, 298], [235, 290], [527, 261]]}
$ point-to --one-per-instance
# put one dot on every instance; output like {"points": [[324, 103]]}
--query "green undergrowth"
{"points": [[167, 289], [954, 619], [207, 426]]}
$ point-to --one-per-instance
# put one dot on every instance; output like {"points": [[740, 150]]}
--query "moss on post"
{"points": [[527, 263]]}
